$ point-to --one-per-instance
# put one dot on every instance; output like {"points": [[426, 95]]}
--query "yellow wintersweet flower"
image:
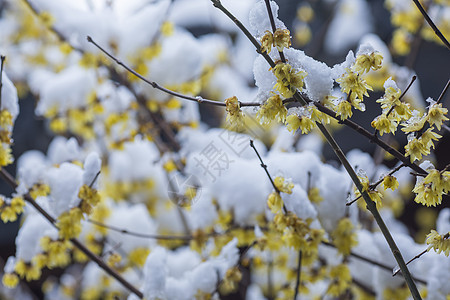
{"points": [[384, 124], [39, 190], [89, 198], [374, 195], [267, 42], [306, 124], [390, 182], [10, 280], [401, 40], [292, 123], [8, 214], [274, 202], [430, 190], [167, 28], [234, 113], [28, 271], [314, 195], [305, 13], [5, 119], [428, 137], [282, 186], [138, 256], [344, 236], [436, 115], [341, 280], [344, 110], [439, 243], [390, 98], [415, 123], [415, 149], [69, 223], [288, 79], [5, 155], [272, 109], [365, 62], [302, 34], [282, 39], [352, 82], [230, 282]]}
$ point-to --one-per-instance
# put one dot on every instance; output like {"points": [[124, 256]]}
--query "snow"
{"points": [[133, 218], [259, 18], [92, 165], [28, 240], [53, 89], [10, 101], [65, 183]]}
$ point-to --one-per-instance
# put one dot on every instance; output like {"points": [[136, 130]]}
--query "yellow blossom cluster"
{"points": [[374, 194], [272, 109], [231, 281], [305, 119], [429, 191], [234, 113], [394, 111], [280, 39], [69, 223], [340, 280], [11, 208], [89, 198], [419, 141], [5, 137], [297, 232], [274, 200], [439, 243], [344, 236], [288, 79], [305, 14], [355, 86]]}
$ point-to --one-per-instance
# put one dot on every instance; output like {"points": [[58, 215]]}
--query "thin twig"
{"points": [[95, 258], [264, 166], [274, 28], [374, 185], [353, 201], [372, 262], [141, 235], [364, 287], [270, 292], [2, 58], [431, 23], [441, 96], [161, 88], [94, 180], [397, 269], [299, 271], [403, 94]]}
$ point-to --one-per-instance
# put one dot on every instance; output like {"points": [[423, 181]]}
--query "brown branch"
{"points": [[431, 23], [141, 235], [274, 28], [161, 88], [403, 94], [299, 271], [2, 58], [441, 96]]}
